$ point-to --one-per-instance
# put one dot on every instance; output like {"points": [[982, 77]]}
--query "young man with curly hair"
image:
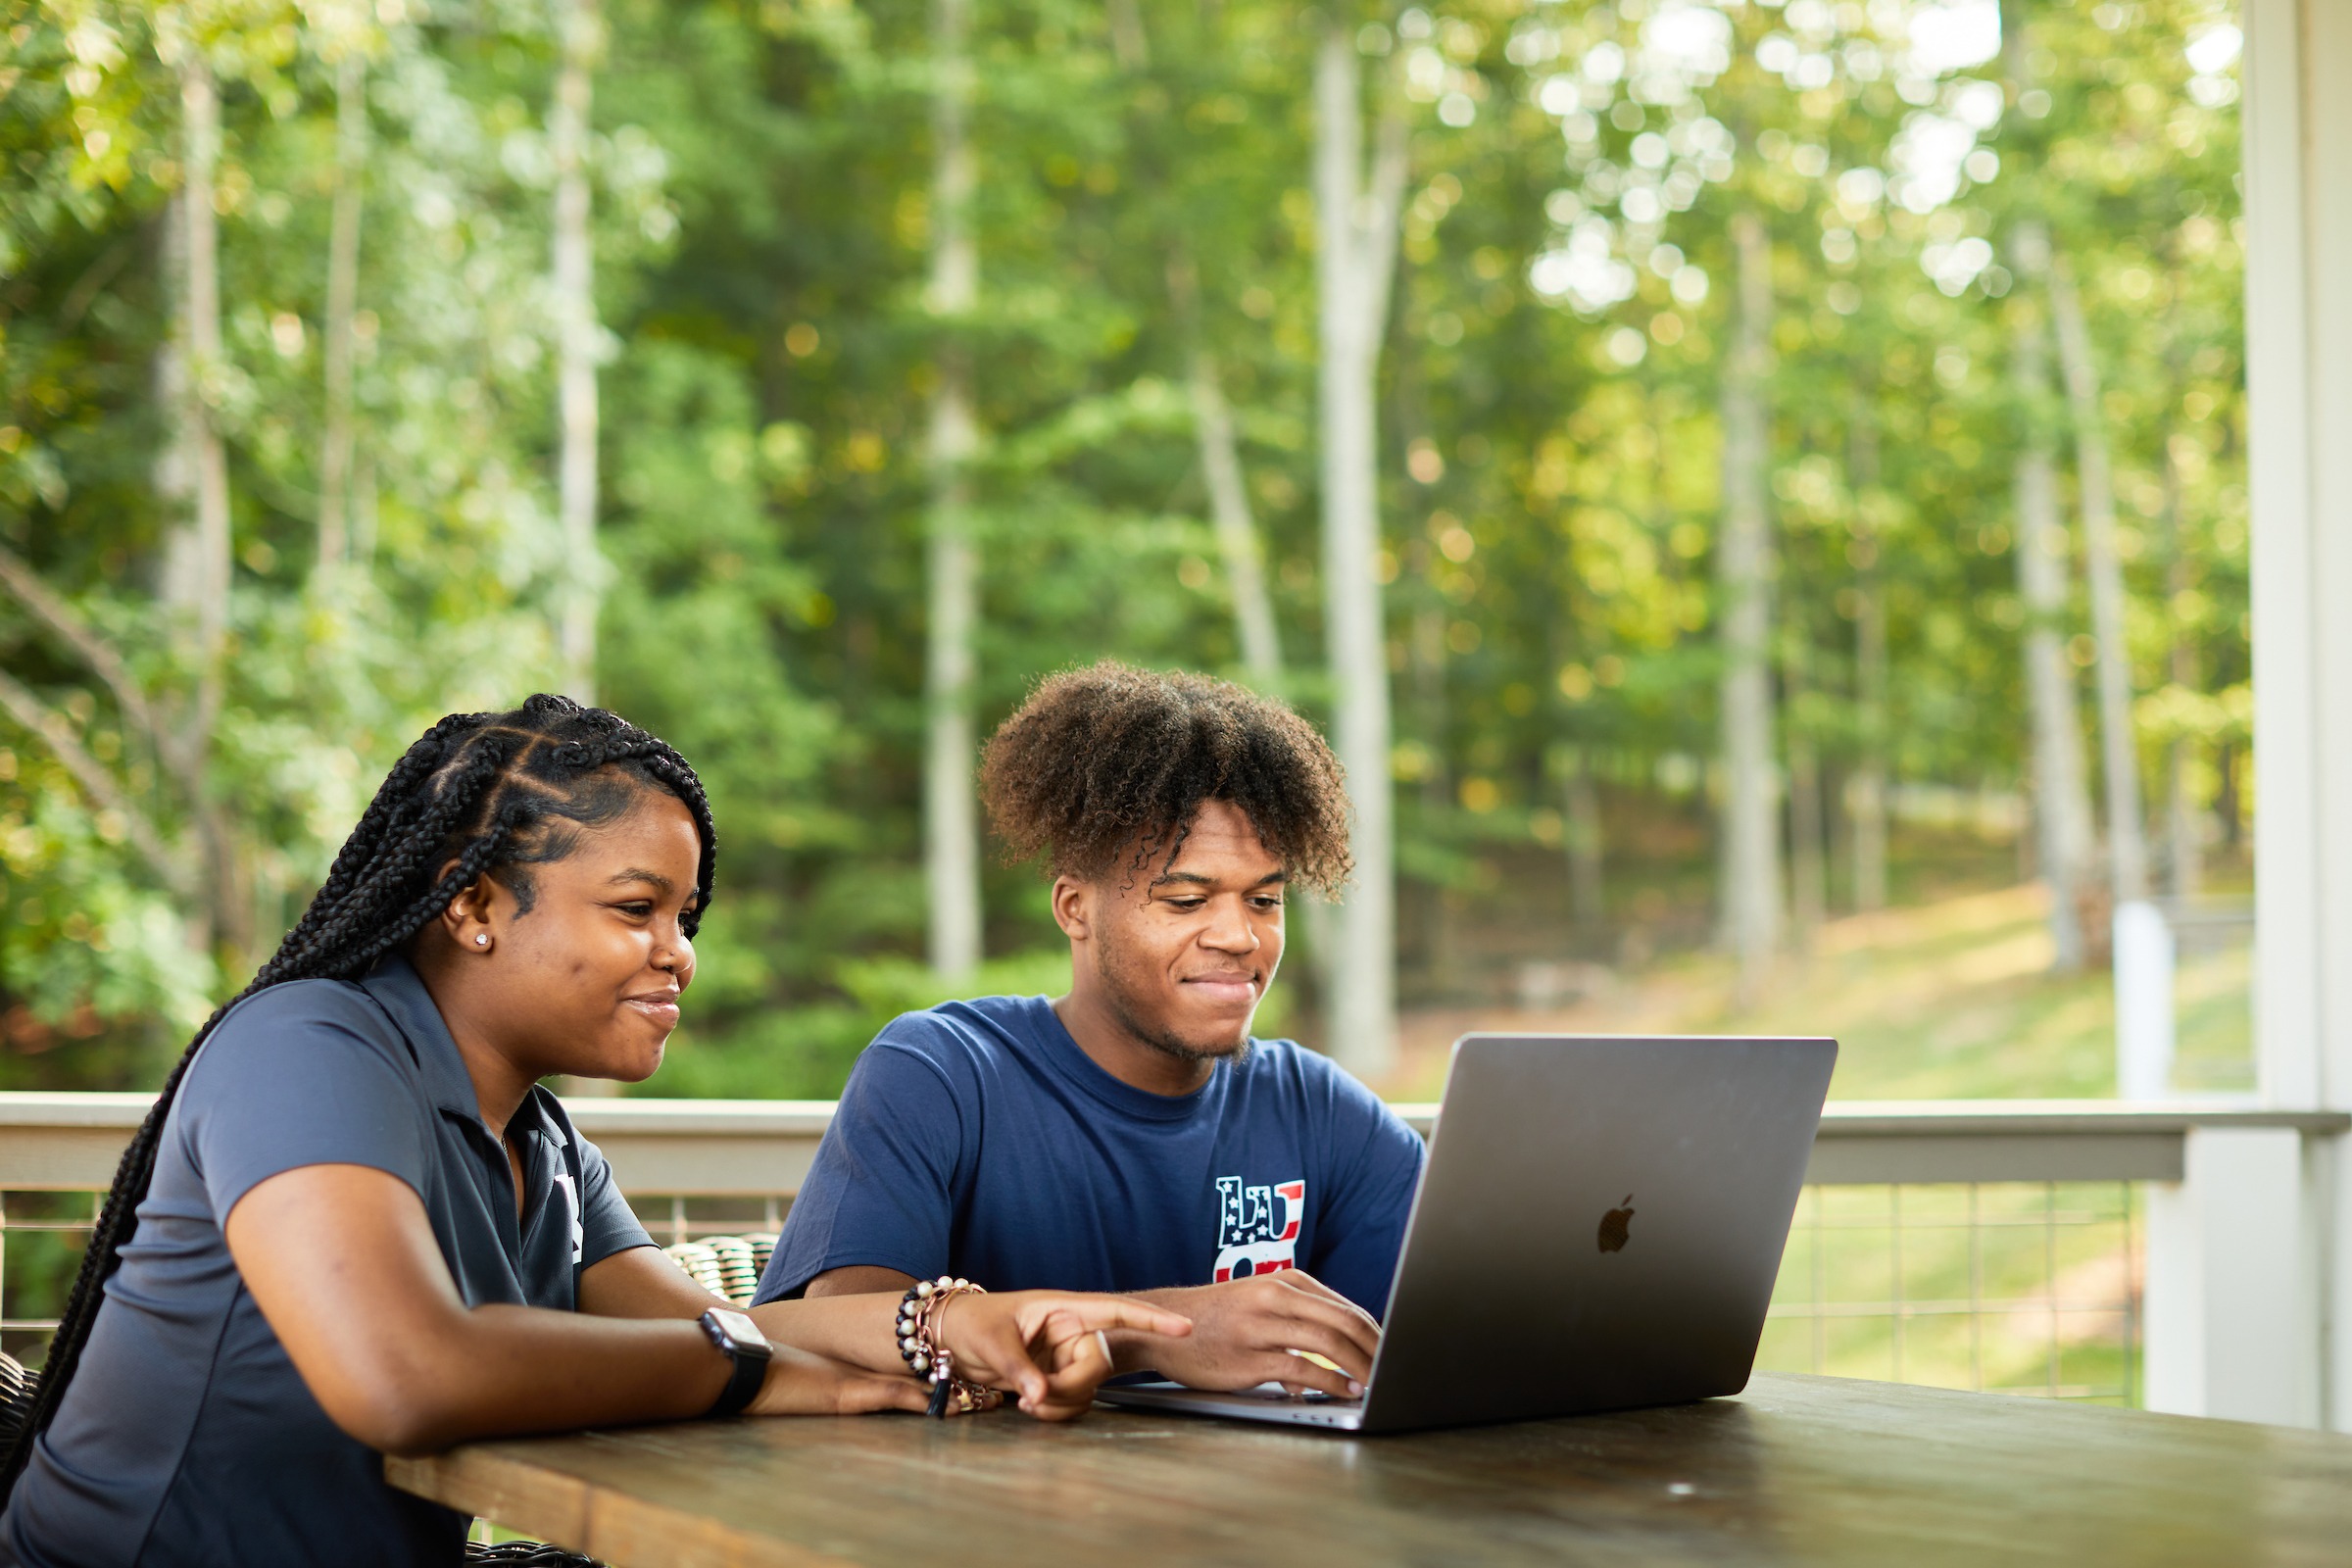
{"points": [[1133, 1135]]}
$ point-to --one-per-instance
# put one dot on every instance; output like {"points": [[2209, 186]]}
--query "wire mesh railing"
{"points": [[671, 1218], [43, 1236], [2004, 1287], [2029, 1288]]}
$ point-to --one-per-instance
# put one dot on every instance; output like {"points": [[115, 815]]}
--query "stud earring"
{"points": [[481, 939]]}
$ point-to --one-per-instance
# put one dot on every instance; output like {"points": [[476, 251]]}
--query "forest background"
{"points": [[1756, 492]]}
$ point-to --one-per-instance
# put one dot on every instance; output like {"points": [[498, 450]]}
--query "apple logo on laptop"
{"points": [[1613, 1226]]}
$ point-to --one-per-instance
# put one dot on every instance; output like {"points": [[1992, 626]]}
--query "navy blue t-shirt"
{"points": [[187, 1438], [978, 1140]]}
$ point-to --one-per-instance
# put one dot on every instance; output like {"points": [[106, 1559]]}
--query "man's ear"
{"points": [[468, 918], [1074, 907]]}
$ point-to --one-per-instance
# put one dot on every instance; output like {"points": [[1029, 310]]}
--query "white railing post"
{"points": [[2298, 230], [2144, 1002], [2230, 1297]]}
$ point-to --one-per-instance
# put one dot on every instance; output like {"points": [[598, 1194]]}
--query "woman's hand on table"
{"points": [[1046, 1348], [803, 1383]]}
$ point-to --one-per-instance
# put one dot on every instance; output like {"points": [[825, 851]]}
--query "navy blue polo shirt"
{"points": [[978, 1138], [187, 1437]]}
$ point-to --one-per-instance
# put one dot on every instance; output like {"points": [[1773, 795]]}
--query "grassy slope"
{"points": [[1949, 1000]]}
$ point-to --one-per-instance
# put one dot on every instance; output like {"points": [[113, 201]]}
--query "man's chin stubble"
{"points": [[1165, 1043], [1168, 1046]]}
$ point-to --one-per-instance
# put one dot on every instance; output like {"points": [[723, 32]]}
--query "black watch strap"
{"points": [[747, 1349]]}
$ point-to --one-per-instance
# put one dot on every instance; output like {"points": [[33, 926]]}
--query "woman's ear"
{"points": [[467, 922]]}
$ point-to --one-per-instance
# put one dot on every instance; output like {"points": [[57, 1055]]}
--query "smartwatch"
{"points": [[740, 1341]]}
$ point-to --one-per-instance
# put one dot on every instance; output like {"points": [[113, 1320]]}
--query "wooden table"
{"points": [[1796, 1470]]}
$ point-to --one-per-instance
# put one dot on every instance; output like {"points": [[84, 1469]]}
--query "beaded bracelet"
{"points": [[919, 1348]]}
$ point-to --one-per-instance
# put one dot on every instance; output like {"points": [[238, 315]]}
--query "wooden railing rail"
{"points": [[719, 1147]]}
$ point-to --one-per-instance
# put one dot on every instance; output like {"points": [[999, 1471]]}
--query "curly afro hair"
{"points": [[1113, 762]]}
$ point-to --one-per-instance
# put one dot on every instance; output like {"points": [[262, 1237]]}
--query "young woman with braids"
{"points": [[354, 1224]]}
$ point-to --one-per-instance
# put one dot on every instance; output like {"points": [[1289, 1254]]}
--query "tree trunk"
{"points": [[2062, 816], [342, 297], [1221, 470], [2228, 813], [193, 480], [1426, 926], [1128, 40], [1356, 246], [2060, 802], [182, 571], [950, 827], [2184, 855], [1585, 850], [1808, 868], [2119, 743], [1237, 530], [1808, 861], [363, 510], [197, 568], [581, 31], [1866, 800], [1751, 861]]}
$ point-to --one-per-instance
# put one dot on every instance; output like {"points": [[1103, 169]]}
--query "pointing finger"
{"points": [[1084, 1314], [1126, 1312]]}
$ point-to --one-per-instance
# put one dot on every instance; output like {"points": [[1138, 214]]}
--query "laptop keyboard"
{"points": [[1276, 1393]]}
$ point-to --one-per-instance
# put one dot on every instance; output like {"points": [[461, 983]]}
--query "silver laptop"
{"points": [[1599, 1227]]}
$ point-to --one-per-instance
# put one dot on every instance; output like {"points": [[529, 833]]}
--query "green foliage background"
{"points": [[1550, 483]]}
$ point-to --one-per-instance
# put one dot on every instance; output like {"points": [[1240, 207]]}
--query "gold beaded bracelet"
{"points": [[919, 1313]]}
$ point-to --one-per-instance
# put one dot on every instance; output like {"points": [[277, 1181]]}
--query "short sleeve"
{"points": [[1376, 1160], [303, 1074], [881, 1193], [608, 1224]]}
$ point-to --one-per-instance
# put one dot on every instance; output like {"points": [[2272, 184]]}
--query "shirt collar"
{"points": [[1075, 1064], [541, 1113], [396, 984]]}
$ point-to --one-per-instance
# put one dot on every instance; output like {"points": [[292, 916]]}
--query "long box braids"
{"points": [[490, 793]]}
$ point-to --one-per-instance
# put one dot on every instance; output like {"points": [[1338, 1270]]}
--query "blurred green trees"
{"points": [[1552, 418]]}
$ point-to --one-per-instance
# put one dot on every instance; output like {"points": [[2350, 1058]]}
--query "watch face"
{"points": [[739, 1327]]}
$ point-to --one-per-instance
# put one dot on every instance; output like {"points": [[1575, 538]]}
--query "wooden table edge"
{"points": [[569, 1513], [628, 1526]]}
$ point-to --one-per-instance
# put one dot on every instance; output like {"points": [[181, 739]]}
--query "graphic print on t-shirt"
{"points": [[571, 1207], [1257, 1227]]}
